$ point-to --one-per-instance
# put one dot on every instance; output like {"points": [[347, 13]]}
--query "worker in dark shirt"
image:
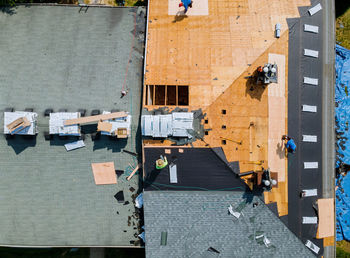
{"points": [[290, 144], [186, 4]]}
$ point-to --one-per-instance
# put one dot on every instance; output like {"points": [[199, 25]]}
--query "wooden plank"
{"points": [[325, 218], [133, 172], [92, 119], [104, 126]]}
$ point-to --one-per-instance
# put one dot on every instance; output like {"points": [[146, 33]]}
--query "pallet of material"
{"points": [[95, 119]]}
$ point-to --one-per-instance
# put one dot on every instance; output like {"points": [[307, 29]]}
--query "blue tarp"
{"points": [[342, 115]]}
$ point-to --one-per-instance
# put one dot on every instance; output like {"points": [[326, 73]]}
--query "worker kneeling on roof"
{"points": [[161, 163], [290, 144]]}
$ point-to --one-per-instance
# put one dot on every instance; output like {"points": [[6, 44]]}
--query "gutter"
{"points": [[328, 106]]}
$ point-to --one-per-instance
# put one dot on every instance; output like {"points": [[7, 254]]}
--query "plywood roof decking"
{"points": [[213, 54], [195, 50]]}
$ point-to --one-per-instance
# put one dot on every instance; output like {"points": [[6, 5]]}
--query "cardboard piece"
{"points": [[92, 119], [104, 126], [18, 125], [325, 218], [104, 173]]}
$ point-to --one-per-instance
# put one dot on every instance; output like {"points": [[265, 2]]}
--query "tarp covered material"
{"points": [[176, 124], [342, 115], [57, 123]]}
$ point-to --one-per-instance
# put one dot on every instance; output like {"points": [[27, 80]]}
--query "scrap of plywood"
{"points": [[277, 118], [91, 119], [199, 7], [104, 173], [104, 126], [325, 218]]}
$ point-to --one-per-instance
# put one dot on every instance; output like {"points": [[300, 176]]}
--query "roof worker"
{"points": [[290, 144], [186, 4], [161, 163]]}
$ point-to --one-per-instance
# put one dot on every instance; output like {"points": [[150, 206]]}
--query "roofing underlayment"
{"points": [[305, 166], [57, 57], [197, 169]]}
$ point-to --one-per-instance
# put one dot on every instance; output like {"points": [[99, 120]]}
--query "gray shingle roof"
{"points": [[195, 221], [55, 57]]}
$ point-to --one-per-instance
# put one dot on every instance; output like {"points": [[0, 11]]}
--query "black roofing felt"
{"points": [[197, 169], [304, 123]]}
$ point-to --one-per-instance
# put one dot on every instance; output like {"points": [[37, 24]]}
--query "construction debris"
{"points": [[142, 235], [139, 201], [119, 196], [212, 249], [234, 213], [74, 145], [133, 172], [163, 238]]}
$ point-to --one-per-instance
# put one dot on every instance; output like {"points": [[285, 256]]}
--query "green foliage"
{"points": [[343, 23], [7, 2], [341, 253]]}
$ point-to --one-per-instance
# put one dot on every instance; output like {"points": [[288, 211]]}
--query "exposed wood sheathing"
{"points": [[214, 54]]}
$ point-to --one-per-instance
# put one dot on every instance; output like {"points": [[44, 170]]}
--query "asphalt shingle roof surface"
{"points": [[195, 221], [58, 57]]}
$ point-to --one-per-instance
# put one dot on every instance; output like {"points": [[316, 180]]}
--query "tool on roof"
{"points": [[231, 140], [254, 162], [267, 74]]}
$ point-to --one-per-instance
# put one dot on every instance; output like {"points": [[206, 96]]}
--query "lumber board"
{"points": [[133, 172], [92, 119], [325, 218]]}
